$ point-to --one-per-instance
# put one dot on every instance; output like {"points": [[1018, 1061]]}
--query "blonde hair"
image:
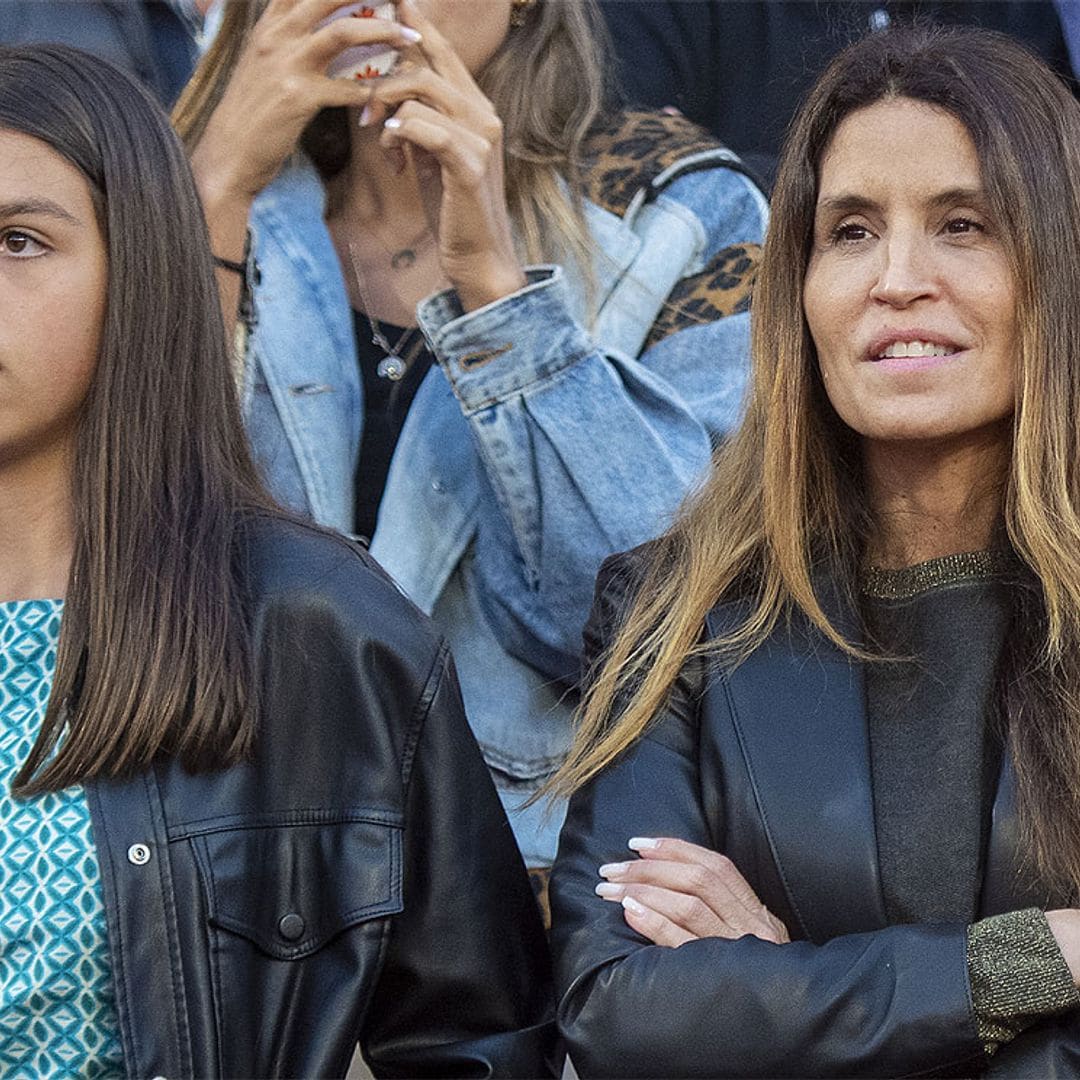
{"points": [[786, 497], [547, 83]]}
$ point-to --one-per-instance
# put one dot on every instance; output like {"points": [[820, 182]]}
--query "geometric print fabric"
{"points": [[57, 1004]]}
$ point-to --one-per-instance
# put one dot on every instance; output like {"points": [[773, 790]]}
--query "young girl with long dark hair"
{"points": [[244, 824]]}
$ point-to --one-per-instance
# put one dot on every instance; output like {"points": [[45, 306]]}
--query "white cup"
{"points": [[363, 61]]}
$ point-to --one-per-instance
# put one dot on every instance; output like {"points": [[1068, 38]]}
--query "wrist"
{"points": [[221, 189], [1065, 926], [477, 291]]}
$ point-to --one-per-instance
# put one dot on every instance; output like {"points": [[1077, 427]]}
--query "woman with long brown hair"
{"points": [[243, 824], [498, 329], [826, 818]]}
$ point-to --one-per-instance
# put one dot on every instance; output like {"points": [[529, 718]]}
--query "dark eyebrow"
{"points": [[859, 204], [847, 204], [960, 196], [39, 207]]}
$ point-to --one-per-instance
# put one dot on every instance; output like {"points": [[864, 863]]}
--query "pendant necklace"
{"points": [[395, 364]]}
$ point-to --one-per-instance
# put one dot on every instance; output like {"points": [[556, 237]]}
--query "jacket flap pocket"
{"points": [[291, 888]]}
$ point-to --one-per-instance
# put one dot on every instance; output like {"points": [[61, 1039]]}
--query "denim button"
{"points": [[438, 486], [138, 854], [292, 926]]}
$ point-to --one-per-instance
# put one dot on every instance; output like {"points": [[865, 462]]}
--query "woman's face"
{"points": [[53, 274], [475, 28], [908, 294]]}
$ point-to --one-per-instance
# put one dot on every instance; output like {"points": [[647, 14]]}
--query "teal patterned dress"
{"points": [[57, 1005]]}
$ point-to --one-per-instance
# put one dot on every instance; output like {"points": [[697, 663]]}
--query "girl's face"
{"points": [[53, 274], [908, 295]]}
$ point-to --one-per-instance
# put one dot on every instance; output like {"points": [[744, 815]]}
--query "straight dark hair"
{"points": [[153, 655]]}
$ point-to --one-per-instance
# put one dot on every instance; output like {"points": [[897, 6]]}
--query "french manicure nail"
{"points": [[632, 906], [411, 35], [613, 869], [642, 843], [365, 116], [609, 891], [392, 122]]}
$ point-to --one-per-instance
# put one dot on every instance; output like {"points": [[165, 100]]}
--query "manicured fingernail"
{"points": [[613, 869], [609, 891], [632, 906], [411, 35], [365, 116], [392, 122], [642, 843]]}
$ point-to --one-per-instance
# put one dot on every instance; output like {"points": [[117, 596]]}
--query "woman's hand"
{"points": [[678, 892], [277, 87], [437, 108]]}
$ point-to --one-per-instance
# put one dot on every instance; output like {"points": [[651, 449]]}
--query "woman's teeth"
{"points": [[915, 348]]}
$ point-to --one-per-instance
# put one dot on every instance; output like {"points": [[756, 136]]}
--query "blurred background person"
{"points": [[741, 68], [154, 40], [498, 328]]}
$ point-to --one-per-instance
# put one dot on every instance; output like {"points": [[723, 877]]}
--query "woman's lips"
{"points": [[917, 363]]}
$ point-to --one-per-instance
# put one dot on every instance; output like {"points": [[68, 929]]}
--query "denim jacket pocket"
{"points": [[289, 889]]}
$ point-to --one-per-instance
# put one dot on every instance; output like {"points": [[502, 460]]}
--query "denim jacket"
{"points": [[533, 449]]}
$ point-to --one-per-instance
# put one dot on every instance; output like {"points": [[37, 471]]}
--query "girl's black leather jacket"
{"points": [[357, 880]]}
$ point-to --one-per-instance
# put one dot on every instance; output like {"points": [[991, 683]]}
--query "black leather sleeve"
{"points": [[465, 988], [889, 1003]]}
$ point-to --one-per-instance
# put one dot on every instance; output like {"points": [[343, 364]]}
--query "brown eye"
{"points": [[21, 244], [850, 232], [960, 226]]}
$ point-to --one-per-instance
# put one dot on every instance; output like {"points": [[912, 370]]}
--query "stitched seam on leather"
{"points": [[389, 906], [201, 857], [299, 817], [419, 716], [176, 977], [305, 525], [760, 807]]}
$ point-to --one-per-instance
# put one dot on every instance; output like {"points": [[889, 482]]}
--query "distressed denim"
{"points": [[533, 449]]}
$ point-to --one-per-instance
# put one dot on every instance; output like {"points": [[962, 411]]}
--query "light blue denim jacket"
{"points": [[534, 448]]}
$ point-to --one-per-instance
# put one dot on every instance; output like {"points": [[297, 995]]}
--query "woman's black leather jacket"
{"points": [[770, 765], [357, 880]]}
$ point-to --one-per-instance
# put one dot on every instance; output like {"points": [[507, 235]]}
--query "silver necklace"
{"points": [[395, 364]]}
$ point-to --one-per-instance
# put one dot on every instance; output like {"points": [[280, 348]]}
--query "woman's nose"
{"points": [[905, 274]]}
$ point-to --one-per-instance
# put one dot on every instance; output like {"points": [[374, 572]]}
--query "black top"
{"points": [[386, 404], [934, 757]]}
